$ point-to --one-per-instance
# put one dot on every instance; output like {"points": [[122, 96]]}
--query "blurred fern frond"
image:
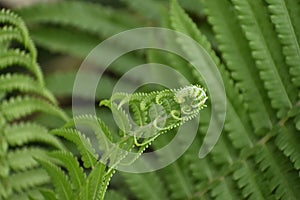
{"points": [[23, 94]]}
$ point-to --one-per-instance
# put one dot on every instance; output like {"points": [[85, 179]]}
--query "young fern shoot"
{"points": [[141, 117]]}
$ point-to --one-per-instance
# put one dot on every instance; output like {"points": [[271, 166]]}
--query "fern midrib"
{"points": [[272, 132], [253, 83], [77, 179], [279, 172], [154, 195], [252, 181], [287, 138], [229, 190], [243, 123], [269, 56], [182, 180], [96, 193], [294, 8], [292, 30], [227, 153]]}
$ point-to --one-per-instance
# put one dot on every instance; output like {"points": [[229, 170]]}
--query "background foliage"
{"points": [[255, 44]]}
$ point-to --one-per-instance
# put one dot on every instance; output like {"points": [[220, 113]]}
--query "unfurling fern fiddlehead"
{"points": [[141, 117], [156, 112]]}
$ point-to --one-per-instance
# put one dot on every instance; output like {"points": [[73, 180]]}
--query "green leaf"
{"points": [[89, 17], [113, 195], [225, 189], [94, 183], [22, 59], [75, 172], [101, 131], [287, 36], [83, 144], [59, 179], [152, 187], [8, 17], [17, 107], [237, 114], [179, 183], [279, 172], [10, 33], [22, 159], [28, 179], [248, 182], [262, 40], [48, 194], [10, 82], [22, 133], [152, 10], [237, 55], [287, 141]]}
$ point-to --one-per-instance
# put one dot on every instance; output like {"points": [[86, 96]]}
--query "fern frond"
{"points": [[60, 180], [83, 144], [10, 82], [121, 118], [22, 59], [32, 194], [139, 116], [95, 182], [182, 23], [8, 17], [209, 177], [22, 159], [17, 107], [258, 30], [113, 194], [287, 141], [225, 189], [79, 44], [166, 109], [22, 82], [48, 194], [5, 188], [248, 182], [72, 42], [10, 33], [237, 114], [240, 136], [86, 16], [151, 189], [179, 183], [100, 129], [20, 134], [284, 182], [28, 179], [152, 10], [181, 187], [201, 169], [222, 152], [287, 36], [75, 172], [237, 54]]}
